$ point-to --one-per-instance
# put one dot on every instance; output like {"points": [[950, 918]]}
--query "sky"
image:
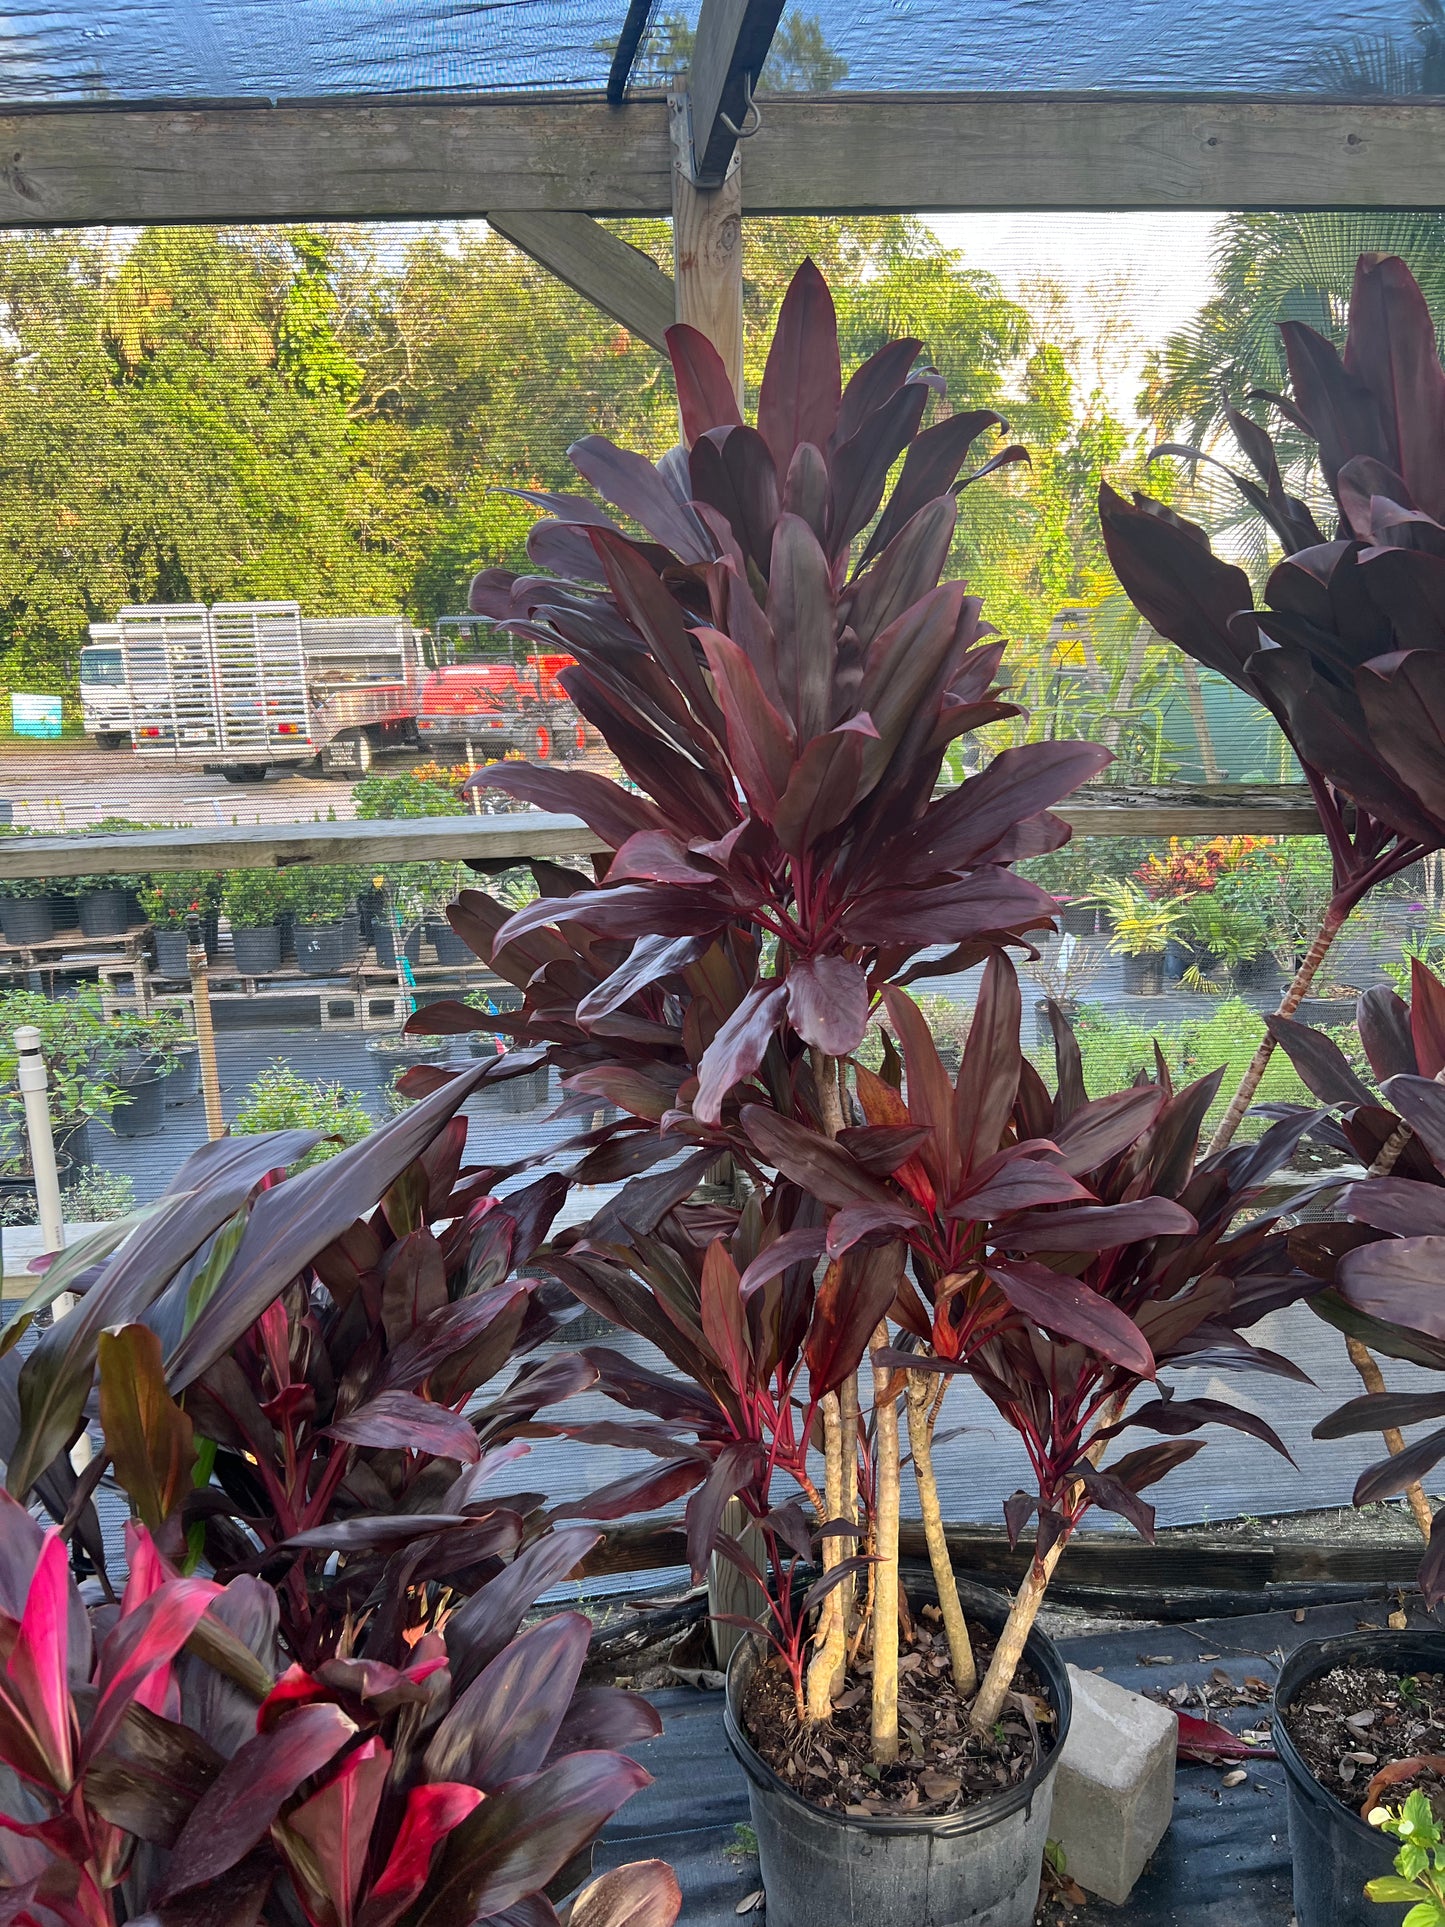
{"points": [[1155, 266]]}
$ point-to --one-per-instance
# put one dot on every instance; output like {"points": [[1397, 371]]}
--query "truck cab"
{"points": [[104, 701], [484, 693]]}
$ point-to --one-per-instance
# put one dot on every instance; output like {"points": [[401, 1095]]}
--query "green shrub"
{"points": [[252, 899], [281, 1099]]}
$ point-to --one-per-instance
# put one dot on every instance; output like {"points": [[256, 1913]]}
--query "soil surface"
{"points": [[945, 1767], [1353, 1723]]}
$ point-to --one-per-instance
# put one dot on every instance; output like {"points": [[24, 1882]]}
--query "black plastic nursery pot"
{"points": [[385, 936], [182, 1081], [450, 948], [27, 919], [526, 1092], [1325, 1012], [321, 949], [980, 1868], [103, 913], [171, 948], [351, 936], [257, 951], [1333, 1850], [141, 1111], [1143, 976]]}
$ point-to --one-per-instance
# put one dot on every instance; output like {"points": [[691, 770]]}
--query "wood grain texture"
{"points": [[840, 152], [619, 279], [729, 48], [1282, 811], [707, 251]]}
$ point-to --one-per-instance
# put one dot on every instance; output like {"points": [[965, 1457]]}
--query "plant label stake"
{"points": [[34, 1085], [199, 969]]}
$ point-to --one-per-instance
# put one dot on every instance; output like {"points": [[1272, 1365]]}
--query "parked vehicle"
{"points": [[243, 687], [487, 694], [104, 700]]}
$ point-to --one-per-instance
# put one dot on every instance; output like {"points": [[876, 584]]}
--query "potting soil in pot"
{"points": [[1352, 1722], [946, 1768]]}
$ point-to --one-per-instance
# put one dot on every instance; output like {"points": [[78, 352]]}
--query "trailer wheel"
{"points": [[112, 738], [542, 742], [244, 772]]}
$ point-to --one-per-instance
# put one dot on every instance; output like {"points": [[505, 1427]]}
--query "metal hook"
{"points": [[750, 107]]}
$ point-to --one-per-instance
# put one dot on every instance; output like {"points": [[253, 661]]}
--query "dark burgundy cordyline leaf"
{"points": [[402, 1421], [705, 395], [505, 1722], [802, 383], [1431, 1576], [514, 1842], [644, 1491], [603, 1718], [828, 1003], [856, 1292], [479, 1630], [1074, 1310], [1320, 1062], [735, 1467], [1391, 1475], [1180, 1415], [1377, 1410], [237, 1809]]}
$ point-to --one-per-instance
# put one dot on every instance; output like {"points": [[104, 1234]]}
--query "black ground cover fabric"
{"points": [[1224, 1862]]}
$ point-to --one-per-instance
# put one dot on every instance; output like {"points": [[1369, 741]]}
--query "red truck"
{"points": [[484, 693]]}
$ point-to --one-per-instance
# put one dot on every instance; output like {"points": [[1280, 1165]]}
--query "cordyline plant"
{"points": [[290, 1389], [779, 670], [1383, 1269], [1062, 1250], [1348, 653], [159, 1764]]}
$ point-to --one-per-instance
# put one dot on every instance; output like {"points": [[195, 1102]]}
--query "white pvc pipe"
{"points": [[34, 1086]]}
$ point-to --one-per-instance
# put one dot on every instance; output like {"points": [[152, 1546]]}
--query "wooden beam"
{"points": [[1282, 811], [274, 846], [619, 279], [838, 153], [728, 51], [707, 249]]}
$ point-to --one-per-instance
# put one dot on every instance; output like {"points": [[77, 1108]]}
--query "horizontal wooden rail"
{"points": [[843, 152], [1095, 1564], [1281, 811]]}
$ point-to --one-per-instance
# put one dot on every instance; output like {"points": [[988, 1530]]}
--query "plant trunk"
{"points": [[1374, 1381], [922, 1417], [998, 1680], [830, 1650], [885, 1598], [1194, 695], [848, 1591], [1288, 1004]]}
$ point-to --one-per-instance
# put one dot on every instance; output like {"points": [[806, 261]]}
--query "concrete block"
{"points": [[1114, 1789]]}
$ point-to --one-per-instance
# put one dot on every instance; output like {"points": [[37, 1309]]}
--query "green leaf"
{"points": [[1390, 1886], [150, 1440], [1429, 1913], [204, 1284]]}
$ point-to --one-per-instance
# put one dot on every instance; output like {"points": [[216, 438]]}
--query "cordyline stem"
{"points": [[830, 1648], [998, 1680], [922, 1416], [1329, 929], [1374, 1381], [885, 1598]]}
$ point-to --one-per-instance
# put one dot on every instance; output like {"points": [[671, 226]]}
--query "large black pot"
{"points": [[1333, 1850], [1259, 973], [257, 951], [351, 937], [183, 1080], [171, 949], [1143, 976], [450, 948], [385, 934], [980, 1868], [141, 1111], [27, 919], [1324, 1013], [72, 1142], [103, 913], [321, 949]]}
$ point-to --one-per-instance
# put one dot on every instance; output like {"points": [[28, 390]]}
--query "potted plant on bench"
{"points": [[252, 902]]}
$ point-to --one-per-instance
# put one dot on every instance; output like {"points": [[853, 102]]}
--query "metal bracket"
{"points": [[679, 124]]}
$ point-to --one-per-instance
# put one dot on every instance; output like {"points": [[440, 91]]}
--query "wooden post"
{"points": [[707, 272], [200, 973], [707, 246]]}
